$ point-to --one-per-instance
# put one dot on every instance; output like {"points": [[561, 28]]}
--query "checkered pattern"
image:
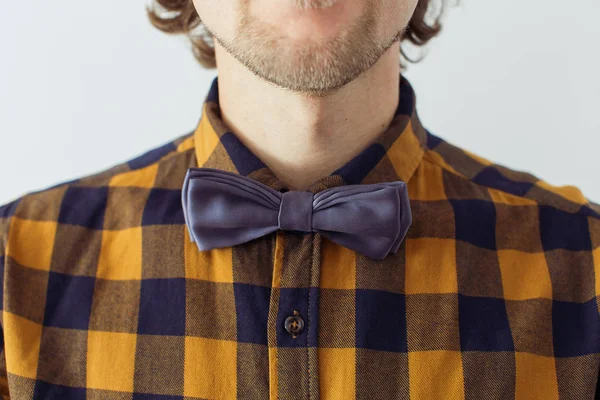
{"points": [[492, 295]]}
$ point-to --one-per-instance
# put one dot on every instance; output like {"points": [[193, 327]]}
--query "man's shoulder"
{"points": [[83, 201], [545, 235], [498, 182]]}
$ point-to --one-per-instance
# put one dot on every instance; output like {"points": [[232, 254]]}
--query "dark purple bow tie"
{"points": [[223, 209]]}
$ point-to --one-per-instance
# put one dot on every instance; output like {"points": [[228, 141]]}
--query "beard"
{"points": [[312, 68]]}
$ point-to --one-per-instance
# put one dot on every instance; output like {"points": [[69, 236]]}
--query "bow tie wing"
{"points": [[223, 209], [372, 219]]}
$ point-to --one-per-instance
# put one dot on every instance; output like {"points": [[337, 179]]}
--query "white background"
{"points": [[86, 85]]}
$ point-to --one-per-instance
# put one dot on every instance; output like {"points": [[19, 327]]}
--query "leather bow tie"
{"points": [[223, 209]]}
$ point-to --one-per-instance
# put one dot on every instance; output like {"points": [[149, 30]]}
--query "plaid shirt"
{"points": [[494, 293]]}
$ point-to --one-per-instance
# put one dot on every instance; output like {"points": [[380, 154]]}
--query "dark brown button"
{"points": [[294, 324]]}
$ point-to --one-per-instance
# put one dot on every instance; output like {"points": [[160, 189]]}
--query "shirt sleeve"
{"points": [[594, 223], [3, 373], [4, 223]]}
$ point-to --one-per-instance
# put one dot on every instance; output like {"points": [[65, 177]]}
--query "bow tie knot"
{"points": [[224, 209], [295, 211]]}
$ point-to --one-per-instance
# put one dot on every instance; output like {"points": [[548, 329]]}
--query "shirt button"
{"points": [[294, 324]]}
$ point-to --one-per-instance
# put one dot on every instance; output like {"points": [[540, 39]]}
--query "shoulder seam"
{"points": [[107, 170], [537, 201]]}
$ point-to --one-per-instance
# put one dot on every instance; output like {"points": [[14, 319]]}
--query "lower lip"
{"points": [[313, 4], [298, 23]]}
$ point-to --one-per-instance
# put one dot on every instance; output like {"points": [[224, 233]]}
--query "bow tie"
{"points": [[223, 209]]}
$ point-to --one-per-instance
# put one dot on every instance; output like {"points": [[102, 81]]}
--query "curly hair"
{"points": [[183, 18]]}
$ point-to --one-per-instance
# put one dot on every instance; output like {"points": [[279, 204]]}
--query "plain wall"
{"points": [[84, 86]]}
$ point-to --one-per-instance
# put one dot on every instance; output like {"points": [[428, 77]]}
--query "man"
{"points": [[309, 239]]}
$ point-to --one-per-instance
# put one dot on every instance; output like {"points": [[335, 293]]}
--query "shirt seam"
{"points": [[538, 202], [310, 269]]}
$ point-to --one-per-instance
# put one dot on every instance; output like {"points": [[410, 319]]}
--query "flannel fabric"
{"points": [[494, 293]]}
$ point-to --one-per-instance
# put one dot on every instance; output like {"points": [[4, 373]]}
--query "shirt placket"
{"points": [[293, 315]]}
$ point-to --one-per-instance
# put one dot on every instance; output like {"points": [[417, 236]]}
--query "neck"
{"points": [[300, 138]]}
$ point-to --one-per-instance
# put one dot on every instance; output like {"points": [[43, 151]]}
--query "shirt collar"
{"points": [[394, 155]]}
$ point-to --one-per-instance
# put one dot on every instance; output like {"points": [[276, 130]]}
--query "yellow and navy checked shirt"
{"points": [[494, 293]]}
